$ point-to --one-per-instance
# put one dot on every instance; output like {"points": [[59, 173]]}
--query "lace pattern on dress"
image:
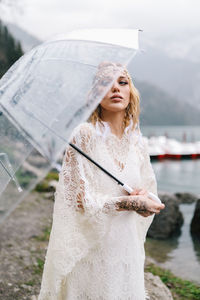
{"points": [[75, 232], [118, 148]]}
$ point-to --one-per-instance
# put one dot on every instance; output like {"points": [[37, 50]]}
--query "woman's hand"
{"points": [[140, 202], [142, 192]]}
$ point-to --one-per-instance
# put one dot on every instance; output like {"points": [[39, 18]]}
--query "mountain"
{"points": [[171, 63], [165, 83], [170, 68], [27, 40], [160, 108], [10, 49]]}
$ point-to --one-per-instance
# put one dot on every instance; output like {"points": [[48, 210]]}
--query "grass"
{"points": [[38, 268], [45, 235], [52, 176], [43, 186], [181, 289], [24, 177], [30, 283]]}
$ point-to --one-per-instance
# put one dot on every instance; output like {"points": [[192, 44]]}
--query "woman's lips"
{"points": [[116, 98]]}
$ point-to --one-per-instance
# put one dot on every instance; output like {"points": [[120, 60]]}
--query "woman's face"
{"points": [[118, 97]]}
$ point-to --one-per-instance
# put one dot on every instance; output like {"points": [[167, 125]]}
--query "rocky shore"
{"points": [[168, 223], [23, 243]]}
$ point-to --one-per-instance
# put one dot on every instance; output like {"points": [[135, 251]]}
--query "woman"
{"points": [[96, 247]]}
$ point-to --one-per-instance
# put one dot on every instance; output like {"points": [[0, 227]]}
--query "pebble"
{"points": [[33, 297], [27, 287], [9, 284]]}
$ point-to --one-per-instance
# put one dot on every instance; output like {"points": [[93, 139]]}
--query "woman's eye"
{"points": [[123, 82]]}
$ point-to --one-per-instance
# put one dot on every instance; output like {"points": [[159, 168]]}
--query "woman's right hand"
{"points": [[140, 203]]}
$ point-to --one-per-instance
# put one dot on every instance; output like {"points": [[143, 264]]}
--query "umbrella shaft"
{"points": [[72, 145], [75, 147], [96, 164]]}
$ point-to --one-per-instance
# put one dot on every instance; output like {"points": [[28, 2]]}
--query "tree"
{"points": [[10, 50]]}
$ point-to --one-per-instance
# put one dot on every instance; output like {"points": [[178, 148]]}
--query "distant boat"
{"points": [[162, 147]]}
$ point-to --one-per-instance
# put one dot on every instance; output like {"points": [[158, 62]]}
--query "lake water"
{"points": [[181, 175], [181, 254], [178, 176]]}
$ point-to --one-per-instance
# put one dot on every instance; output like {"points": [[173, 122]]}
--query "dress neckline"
{"points": [[105, 131], [118, 148]]}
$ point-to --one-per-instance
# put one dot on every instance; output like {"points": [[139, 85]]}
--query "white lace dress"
{"points": [[98, 253]]}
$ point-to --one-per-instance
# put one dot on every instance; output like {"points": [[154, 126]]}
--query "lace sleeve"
{"points": [[74, 231], [147, 173], [79, 178], [148, 182]]}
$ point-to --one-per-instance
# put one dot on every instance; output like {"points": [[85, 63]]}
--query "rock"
{"points": [[34, 297], [156, 289], [49, 195], [195, 223], [26, 287], [53, 183], [186, 197], [169, 221], [9, 284]]}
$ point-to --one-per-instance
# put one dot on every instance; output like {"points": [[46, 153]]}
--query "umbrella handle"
{"points": [[150, 194]]}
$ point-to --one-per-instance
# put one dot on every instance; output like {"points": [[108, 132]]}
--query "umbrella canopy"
{"points": [[44, 95]]}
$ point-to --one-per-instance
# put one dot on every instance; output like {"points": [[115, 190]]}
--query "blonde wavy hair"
{"points": [[132, 111]]}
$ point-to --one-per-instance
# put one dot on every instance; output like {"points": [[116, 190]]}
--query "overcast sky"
{"points": [[45, 18]]}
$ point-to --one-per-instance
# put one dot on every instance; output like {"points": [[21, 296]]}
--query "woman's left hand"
{"points": [[142, 192]]}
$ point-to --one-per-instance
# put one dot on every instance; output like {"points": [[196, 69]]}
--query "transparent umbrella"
{"points": [[44, 95]]}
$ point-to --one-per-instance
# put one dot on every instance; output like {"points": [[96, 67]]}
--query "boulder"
{"points": [[169, 221], [53, 184], [195, 223], [155, 288], [186, 197]]}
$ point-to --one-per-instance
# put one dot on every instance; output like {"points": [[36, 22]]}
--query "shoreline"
{"points": [[23, 241]]}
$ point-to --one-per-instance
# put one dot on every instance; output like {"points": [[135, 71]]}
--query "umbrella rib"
{"points": [[72, 145], [17, 124], [88, 41], [70, 60], [78, 149], [10, 175], [8, 172]]}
